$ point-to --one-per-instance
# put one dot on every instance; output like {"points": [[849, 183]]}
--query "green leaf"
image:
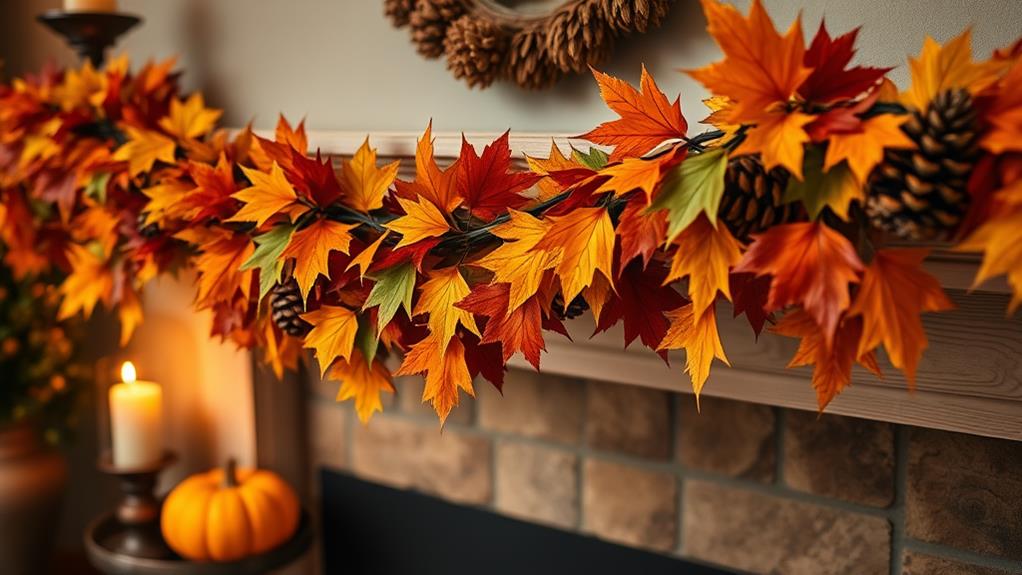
{"points": [[835, 188], [691, 188], [394, 287], [267, 258], [366, 338], [96, 188], [596, 159]]}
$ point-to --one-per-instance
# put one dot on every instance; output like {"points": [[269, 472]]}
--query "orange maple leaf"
{"points": [[1005, 115], [583, 241], [444, 288], [364, 259], [219, 265], [445, 369], [894, 292], [555, 162], [517, 261], [129, 313], [647, 119], [89, 282], [779, 138], [432, 183], [632, 174], [422, 220], [268, 195], [190, 119], [143, 149], [310, 247], [705, 254], [332, 334], [939, 68], [863, 148], [697, 335], [761, 69], [1000, 241], [832, 362], [362, 380], [811, 265], [365, 184]]}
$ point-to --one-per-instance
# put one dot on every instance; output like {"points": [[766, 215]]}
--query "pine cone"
{"points": [[528, 61], [922, 193], [475, 50], [429, 22], [286, 307], [577, 307], [635, 15], [577, 36], [752, 200], [399, 11]]}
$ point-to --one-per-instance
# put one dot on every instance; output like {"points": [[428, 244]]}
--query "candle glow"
{"points": [[128, 374], [136, 420]]}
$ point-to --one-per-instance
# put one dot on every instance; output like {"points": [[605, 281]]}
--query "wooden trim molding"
{"points": [[970, 379]]}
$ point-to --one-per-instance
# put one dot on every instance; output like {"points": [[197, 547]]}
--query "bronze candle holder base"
{"points": [[89, 33], [139, 510]]}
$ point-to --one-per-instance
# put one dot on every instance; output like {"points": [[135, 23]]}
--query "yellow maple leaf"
{"points": [[143, 149], [517, 261], [363, 183], [362, 380], [445, 369], [444, 288], [939, 68], [365, 258], [268, 195], [1000, 241], [584, 243], [864, 149], [422, 220], [129, 312], [597, 295], [89, 282], [697, 335], [705, 254], [310, 247], [721, 108], [190, 119], [779, 139], [554, 162], [79, 87], [332, 334], [165, 201]]}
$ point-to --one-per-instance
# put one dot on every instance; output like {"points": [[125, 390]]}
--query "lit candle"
{"points": [[90, 5], [136, 420]]}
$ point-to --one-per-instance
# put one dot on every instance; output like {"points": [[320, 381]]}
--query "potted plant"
{"points": [[39, 378]]}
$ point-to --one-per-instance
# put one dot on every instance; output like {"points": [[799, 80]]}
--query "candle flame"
{"points": [[128, 372]]}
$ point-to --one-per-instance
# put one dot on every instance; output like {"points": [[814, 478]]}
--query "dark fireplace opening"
{"points": [[374, 529]]}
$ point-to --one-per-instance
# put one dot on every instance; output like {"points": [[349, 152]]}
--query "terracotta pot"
{"points": [[32, 482]]}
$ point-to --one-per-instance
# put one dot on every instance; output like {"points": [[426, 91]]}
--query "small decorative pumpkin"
{"points": [[228, 514]]}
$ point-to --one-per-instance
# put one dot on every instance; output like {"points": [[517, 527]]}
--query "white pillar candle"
{"points": [[90, 5], [136, 421]]}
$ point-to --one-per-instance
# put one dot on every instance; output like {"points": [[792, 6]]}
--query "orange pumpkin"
{"points": [[228, 514]]}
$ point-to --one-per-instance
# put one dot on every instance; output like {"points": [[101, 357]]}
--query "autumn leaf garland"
{"points": [[451, 273]]}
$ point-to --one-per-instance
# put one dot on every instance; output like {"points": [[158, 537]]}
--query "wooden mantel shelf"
{"points": [[970, 379]]}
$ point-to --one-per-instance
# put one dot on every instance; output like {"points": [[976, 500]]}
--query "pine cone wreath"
{"points": [[577, 307], [922, 194], [752, 200], [286, 307], [578, 37], [399, 12], [429, 22], [635, 15], [528, 62], [475, 50]]}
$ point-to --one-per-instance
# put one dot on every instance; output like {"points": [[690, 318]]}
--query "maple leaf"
{"points": [[595, 159], [760, 69], [422, 220], [365, 257], [749, 295], [515, 330], [332, 334], [721, 108], [165, 201], [697, 335], [832, 362], [640, 232], [584, 243], [705, 254], [779, 139], [143, 149], [1005, 115], [555, 162], [835, 187], [599, 294], [219, 267], [432, 183], [266, 256], [394, 288], [1000, 241], [811, 265], [830, 80], [695, 187], [632, 174], [517, 261], [362, 380], [940, 68], [129, 314], [310, 247], [363, 183], [212, 197], [190, 119], [446, 372], [268, 195], [486, 183], [863, 148], [647, 117], [642, 300], [444, 288], [89, 282], [894, 292]]}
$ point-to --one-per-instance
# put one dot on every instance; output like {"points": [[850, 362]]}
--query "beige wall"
{"points": [[339, 62]]}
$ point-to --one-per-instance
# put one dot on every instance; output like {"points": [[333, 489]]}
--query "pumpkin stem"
{"points": [[230, 473]]}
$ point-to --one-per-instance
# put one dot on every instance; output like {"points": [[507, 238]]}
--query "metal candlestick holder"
{"points": [[89, 33], [139, 509]]}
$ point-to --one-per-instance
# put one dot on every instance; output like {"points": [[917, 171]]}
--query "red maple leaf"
{"points": [[830, 80], [749, 294], [520, 330], [487, 184], [641, 301], [484, 359]]}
